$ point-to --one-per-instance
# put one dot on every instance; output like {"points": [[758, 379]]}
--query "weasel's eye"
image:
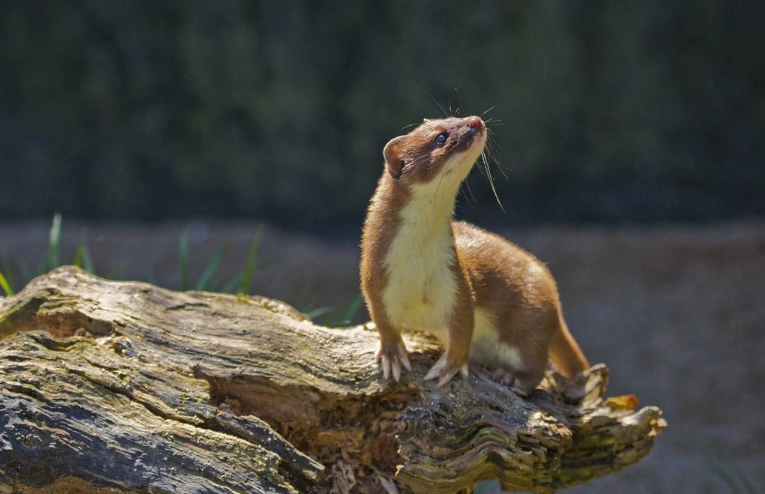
{"points": [[441, 139]]}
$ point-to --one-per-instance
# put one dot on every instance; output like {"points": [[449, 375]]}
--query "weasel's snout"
{"points": [[476, 126], [475, 123]]}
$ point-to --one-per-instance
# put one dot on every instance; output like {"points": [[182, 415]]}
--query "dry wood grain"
{"points": [[126, 387]]}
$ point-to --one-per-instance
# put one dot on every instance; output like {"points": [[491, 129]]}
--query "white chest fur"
{"points": [[421, 288]]}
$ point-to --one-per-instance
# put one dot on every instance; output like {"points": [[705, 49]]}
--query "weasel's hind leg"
{"points": [[523, 383], [503, 377], [507, 378], [444, 371]]}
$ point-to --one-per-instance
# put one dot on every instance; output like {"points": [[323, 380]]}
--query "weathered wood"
{"points": [[126, 387]]}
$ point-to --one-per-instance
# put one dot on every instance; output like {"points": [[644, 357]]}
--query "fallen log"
{"points": [[125, 387]]}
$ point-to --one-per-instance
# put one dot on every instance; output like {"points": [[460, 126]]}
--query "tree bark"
{"points": [[125, 387]]}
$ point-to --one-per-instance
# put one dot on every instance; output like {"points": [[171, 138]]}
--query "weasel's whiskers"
{"points": [[493, 158], [439, 105], [491, 180], [470, 191]]}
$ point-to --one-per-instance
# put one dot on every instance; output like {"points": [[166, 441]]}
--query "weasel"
{"points": [[486, 299]]}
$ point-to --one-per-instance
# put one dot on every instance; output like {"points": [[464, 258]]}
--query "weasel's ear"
{"points": [[394, 161]]}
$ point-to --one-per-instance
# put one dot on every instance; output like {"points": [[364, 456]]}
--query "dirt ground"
{"points": [[677, 313]]}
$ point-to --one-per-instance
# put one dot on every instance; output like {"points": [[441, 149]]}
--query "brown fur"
{"points": [[379, 229], [462, 316], [490, 273], [521, 295]]}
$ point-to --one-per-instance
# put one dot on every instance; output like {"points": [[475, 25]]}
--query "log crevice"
{"points": [[129, 386]]}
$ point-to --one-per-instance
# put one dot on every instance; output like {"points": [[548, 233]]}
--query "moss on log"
{"points": [[125, 387]]}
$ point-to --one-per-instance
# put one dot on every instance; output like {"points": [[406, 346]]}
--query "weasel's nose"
{"points": [[475, 122]]}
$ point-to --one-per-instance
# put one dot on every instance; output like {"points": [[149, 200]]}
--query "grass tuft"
{"points": [[350, 311], [735, 481], [205, 280], [184, 255], [117, 272], [232, 285], [5, 285], [249, 269], [54, 243], [318, 312], [7, 271], [240, 284], [82, 258]]}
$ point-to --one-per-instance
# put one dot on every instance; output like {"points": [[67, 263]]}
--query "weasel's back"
{"points": [[491, 259], [512, 287], [520, 296]]}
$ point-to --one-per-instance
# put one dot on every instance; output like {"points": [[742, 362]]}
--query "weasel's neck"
{"points": [[426, 216], [431, 205]]}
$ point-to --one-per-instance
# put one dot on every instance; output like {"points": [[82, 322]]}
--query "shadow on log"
{"points": [[125, 387]]}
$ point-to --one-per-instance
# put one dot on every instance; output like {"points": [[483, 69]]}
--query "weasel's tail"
{"points": [[565, 352]]}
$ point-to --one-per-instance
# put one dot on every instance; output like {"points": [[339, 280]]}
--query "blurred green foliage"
{"points": [[609, 111]]}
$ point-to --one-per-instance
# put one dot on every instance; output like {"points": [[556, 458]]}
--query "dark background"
{"points": [[610, 112], [631, 134]]}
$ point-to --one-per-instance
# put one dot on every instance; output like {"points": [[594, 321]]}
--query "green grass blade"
{"points": [[203, 284], [319, 312], [82, 258], [184, 256], [54, 243], [78, 257], [723, 473], [5, 285], [303, 301], [87, 261], [8, 270], [117, 272], [232, 285], [350, 311], [264, 264], [249, 269]]}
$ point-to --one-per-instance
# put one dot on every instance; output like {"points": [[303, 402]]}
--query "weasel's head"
{"points": [[438, 149]]}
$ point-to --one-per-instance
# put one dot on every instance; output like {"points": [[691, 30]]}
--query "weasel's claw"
{"points": [[392, 358], [404, 358], [444, 372], [385, 364]]}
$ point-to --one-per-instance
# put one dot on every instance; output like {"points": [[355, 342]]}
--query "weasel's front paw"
{"points": [[392, 357], [444, 371]]}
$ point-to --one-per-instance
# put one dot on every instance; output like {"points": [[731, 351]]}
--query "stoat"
{"points": [[488, 300]]}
